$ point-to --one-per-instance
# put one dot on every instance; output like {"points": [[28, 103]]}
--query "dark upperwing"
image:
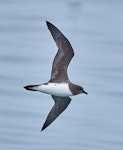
{"points": [[63, 56], [60, 105]]}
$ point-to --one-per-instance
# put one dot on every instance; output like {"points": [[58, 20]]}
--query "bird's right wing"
{"points": [[60, 105]]}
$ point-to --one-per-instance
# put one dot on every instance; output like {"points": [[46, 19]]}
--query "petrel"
{"points": [[59, 86]]}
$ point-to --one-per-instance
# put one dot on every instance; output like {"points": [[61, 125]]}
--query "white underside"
{"points": [[55, 89]]}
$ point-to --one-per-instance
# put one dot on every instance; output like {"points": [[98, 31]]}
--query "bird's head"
{"points": [[81, 89]]}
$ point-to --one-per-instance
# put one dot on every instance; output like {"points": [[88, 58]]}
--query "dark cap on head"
{"points": [[76, 89]]}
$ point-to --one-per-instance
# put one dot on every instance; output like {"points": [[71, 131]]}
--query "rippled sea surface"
{"points": [[95, 30]]}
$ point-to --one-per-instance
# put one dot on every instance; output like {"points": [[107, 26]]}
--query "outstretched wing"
{"points": [[60, 105], [63, 56]]}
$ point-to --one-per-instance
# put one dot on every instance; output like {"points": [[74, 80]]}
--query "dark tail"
{"points": [[31, 87]]}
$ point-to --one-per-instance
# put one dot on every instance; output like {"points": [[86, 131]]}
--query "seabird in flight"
{"points": [[59, 86]]}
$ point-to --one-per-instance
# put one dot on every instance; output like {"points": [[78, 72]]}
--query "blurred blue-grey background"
{"points": [[95, 30]]}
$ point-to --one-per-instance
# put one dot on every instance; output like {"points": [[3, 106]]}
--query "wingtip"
{"points": [[43, 128], [48, 23]]}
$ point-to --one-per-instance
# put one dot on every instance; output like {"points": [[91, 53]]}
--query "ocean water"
{"points": [[91, 122]]}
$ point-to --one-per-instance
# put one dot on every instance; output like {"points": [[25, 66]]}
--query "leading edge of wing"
{"points": [[61, 41], [64, 54]]}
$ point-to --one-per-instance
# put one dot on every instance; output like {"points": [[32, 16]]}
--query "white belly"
{"points": [[55, 89]]}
